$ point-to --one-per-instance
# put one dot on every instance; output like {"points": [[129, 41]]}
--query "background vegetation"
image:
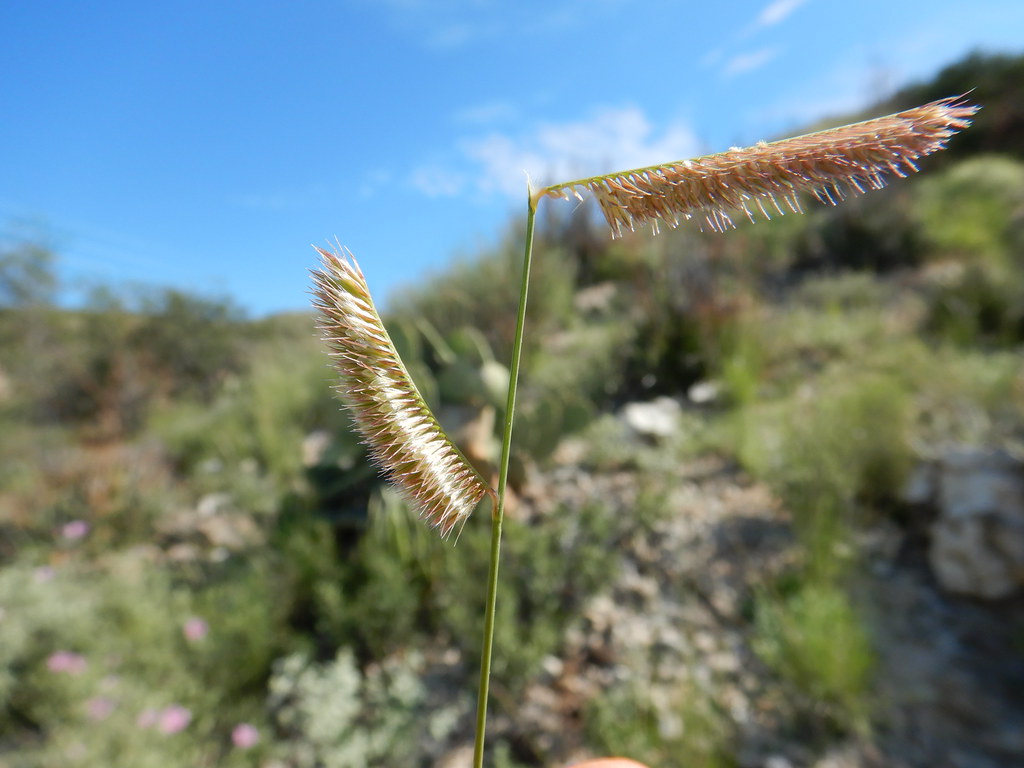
{"points": [[197, 567]]}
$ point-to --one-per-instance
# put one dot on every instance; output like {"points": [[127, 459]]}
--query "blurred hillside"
{"points": [[768, 500]]}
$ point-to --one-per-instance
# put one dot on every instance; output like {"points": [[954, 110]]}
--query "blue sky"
{"points": [[207, 144]]}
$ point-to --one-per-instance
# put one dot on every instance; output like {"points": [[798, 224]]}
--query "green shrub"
{"points": [[690, 732], [817, 640], [568, 381], [973, 214], [974, 211], [776, 348], [982, 305], [484, 294], [875, 232], [382, 602], [550, 567], [968, 398], [334, 715], [192, 343], [828, 451], [842, 438], [27, 276], [97, 660], [261, 417], [103, 368]]}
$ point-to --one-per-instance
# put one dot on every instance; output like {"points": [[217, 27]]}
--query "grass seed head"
{"points": [[767, 178], [402, 435]]}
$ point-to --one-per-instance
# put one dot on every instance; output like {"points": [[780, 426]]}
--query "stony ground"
{"points": [[949, 687]]}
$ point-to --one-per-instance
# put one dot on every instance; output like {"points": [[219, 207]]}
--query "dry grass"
{"points": [[828, 164], [403, 437]]}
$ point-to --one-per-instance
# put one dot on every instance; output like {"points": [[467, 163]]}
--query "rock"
{"points": [[472, 429], [977, 542], [460, 757], [920, 485], [232, 531], [704, 392], [977, 480], [970, 557], [183, 553], [213, 526], [570, 452], [6, 388], [595, 298], [212, 503], [314, 446], [657, 419], [723, 661], [841, 756]]}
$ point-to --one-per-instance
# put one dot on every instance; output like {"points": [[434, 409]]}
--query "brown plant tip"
{"points": [[402, 435], [829, 164]]}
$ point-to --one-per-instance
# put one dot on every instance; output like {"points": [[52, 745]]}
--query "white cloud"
{"points": [[453, 24], [437, 181], [776, 11], [264, 201], [455, 35], [281, 199], [442, 25], [612, 140], [832, 92], [712, 58], [742, 63], [374, 181], [486, 112]]}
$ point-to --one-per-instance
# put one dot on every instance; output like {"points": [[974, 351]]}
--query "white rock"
{"points": [[919, 487], [658, 418], [6, 387], [704, 392], [977, 542], [460, 757], [314, 446], [974, 481], [213, 503], [596, 298]]}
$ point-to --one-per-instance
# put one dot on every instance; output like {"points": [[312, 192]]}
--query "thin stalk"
{"points": [[499, 509]]}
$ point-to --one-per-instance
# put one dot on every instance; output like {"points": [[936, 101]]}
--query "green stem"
{"points": [[499, 509]]}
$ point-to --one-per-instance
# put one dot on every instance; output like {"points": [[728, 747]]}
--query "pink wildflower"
{"points": [[76, 529], [195, 629], [245, 736], [174, 719], [67, 661]]}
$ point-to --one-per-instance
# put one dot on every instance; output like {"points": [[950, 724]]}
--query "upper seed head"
{"points": [[829, 164]]}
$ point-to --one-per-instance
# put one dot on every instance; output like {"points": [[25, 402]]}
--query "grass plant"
{"points": [[816, 640], [387, 408], [686, 732]]}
